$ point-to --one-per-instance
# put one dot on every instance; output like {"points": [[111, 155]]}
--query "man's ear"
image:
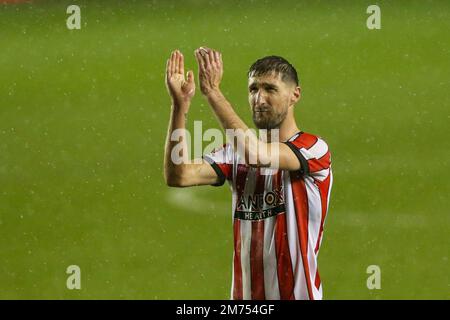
{"points": [[296, 95]]}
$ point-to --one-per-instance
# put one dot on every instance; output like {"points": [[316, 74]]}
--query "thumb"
{"points": [[190, 76]]}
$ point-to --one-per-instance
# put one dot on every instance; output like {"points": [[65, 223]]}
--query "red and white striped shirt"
{"points": [[278, 219]]}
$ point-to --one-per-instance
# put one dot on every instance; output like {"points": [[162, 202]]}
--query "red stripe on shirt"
{"points": [[257, 246], [305, 140], [256, 260], [226, 169], [324, 188], [319, 164], [317, 280], [284, 263], [301, 212], [237, 285]]}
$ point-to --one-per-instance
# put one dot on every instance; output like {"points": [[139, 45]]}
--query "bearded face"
{"points": [[269, 98], [266, 117]]}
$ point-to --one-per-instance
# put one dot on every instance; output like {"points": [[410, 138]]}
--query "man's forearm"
{"points": [[246, 141], [177, 120], [224, 111]]}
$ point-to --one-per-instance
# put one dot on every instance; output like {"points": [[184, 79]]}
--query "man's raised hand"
{"points": [[180, 89], [210, 69]]}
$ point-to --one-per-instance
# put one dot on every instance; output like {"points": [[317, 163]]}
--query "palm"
{"points": [[180, 89]]}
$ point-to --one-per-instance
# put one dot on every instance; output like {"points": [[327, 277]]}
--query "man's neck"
{"points": [[283, 135], [287, 129]]}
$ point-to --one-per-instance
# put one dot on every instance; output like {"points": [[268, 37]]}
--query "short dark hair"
{"points": [[275, 64]]}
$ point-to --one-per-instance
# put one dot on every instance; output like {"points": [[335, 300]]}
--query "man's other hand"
{"points": [[210, 69]]}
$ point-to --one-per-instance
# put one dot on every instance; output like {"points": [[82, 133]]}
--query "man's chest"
{"points": [[260, 193]]}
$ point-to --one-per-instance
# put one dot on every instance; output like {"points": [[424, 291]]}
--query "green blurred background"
{"points": [[83, 120]]}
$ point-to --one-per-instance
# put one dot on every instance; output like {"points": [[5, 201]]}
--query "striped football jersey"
{"points": [[278, 219]]}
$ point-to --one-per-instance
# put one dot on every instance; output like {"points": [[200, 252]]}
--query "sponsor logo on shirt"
{"points": [[260, 205]]}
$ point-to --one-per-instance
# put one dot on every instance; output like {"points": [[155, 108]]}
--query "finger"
{"points": [[211, 55], [205, 58], [181, 64], [168, 67], [217, 57], [199, 60], [177, 61], [204, 49], [172, 63], [211, 58], [190, 76], [220, 62]]}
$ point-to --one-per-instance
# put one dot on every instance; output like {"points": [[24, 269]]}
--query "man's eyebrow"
{"points": [[264, 84], [270, 85]]}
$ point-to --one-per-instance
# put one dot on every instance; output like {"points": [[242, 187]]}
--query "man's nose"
{"points": [[260, 98]]}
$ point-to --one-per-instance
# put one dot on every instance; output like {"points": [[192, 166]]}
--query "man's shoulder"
{"points": [[307, 140]]}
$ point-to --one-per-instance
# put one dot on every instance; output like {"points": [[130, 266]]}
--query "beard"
{"points": [[268, 119]]}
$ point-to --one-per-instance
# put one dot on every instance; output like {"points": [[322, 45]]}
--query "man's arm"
{"points": [[274, 154], [180, 173]]}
